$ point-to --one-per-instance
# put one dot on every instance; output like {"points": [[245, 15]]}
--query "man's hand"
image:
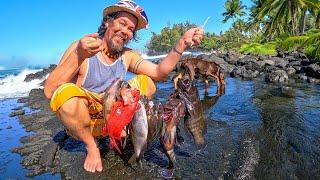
{"points": [[89, 45], [193, 36]]}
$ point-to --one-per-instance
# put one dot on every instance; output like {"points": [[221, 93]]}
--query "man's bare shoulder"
{"points": [[131, 54]]}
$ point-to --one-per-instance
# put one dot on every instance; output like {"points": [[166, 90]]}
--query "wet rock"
{"points": [[35, 170], [297, 68], [290, 71], [257, 101], [295, 63], [32, 158], [269, 69], [313, 80], [280, 63], [27, 150], [246, 60], [17, 108], [242, 72], [302, 77], [17, 112], [9, 127], [269, 62], [231, 58], [259, 65], [37, 137], [47, 158], [278, 76], [305, 62], [227, 68], [40, 74], [288, 92], [217, 59], [36, 105], [22, 100], [313, 70]]}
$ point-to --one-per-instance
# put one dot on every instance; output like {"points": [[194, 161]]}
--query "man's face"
{"points": [[120, 31]]}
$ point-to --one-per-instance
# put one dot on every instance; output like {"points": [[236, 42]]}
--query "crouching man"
{"points": [[92, 63]]}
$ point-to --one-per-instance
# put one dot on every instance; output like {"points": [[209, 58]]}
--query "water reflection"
{"points": [[287, 149]]}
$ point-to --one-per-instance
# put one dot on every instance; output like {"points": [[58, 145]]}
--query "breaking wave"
{"points": [[13, 85]]}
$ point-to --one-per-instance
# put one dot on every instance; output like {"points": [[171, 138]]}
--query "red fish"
{"points": [[121, 115]]}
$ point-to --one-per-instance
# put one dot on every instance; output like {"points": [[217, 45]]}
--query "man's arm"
{"points": [[71, 61], [160, 71]]}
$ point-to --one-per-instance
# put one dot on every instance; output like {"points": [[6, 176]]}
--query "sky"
{"points": [[37, 32]]}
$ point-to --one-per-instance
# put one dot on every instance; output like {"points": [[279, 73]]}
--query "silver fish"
{"points": [[139, 134]]}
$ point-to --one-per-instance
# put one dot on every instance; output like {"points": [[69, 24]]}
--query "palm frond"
{"points": [[312, 40]]}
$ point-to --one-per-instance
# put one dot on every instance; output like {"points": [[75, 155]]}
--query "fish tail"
{"points": [[132, 159]]}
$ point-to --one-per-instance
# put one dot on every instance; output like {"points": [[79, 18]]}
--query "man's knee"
{"points": [[73, 106]]}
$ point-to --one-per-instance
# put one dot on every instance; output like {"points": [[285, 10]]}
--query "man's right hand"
{"points": [[89, 45]]}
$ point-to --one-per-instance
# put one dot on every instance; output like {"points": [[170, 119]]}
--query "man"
{"points": [[90, 64]]}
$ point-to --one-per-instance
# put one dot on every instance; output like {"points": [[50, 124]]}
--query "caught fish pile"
{"points": [[119, 113], [155, 120]]}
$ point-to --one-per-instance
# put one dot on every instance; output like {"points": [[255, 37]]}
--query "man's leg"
{"points": [[74, 114]]}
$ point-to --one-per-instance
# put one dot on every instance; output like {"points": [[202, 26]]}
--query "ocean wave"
{"points": [[13, 86], [145, 56]]}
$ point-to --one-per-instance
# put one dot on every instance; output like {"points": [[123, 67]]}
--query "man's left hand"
{"points": [[193, 36]]}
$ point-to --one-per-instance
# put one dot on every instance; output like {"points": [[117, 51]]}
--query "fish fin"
{"points": [[140, 163], [133, 159]]}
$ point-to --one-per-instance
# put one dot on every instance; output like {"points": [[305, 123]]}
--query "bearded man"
{"points": [[92, 63]]}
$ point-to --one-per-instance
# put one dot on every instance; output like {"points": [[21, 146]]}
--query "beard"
{"points": [[115, 48]]}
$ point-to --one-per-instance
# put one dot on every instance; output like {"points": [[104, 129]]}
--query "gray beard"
{"points": [[114, 48]]}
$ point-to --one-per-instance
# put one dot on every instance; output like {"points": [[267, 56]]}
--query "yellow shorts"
{"points": [[95, 106]]}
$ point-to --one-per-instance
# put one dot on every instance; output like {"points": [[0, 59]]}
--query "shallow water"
{"points": [[254, 131], [257, 131], [10, 133]]}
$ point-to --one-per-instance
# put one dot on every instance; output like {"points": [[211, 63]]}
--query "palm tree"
{"points": [[317, 22], [234, 9], [311, 6], [240, 26], [281, 12]]}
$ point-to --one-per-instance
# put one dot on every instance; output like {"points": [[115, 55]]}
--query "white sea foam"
{"points": [[145, 56], [13, 86]]}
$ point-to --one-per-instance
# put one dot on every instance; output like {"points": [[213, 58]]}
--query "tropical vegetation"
{"points": [[263, 28]]}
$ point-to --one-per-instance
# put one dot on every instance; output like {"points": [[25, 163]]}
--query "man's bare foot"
{"points": [[93, 161]]}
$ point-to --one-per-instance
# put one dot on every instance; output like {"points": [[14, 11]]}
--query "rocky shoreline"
{"points": [[50, 149], [283, 68]]}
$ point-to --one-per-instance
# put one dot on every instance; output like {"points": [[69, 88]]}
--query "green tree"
{"points": [[163, 42], [311, 6], [234, 9], [281, 12]]}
